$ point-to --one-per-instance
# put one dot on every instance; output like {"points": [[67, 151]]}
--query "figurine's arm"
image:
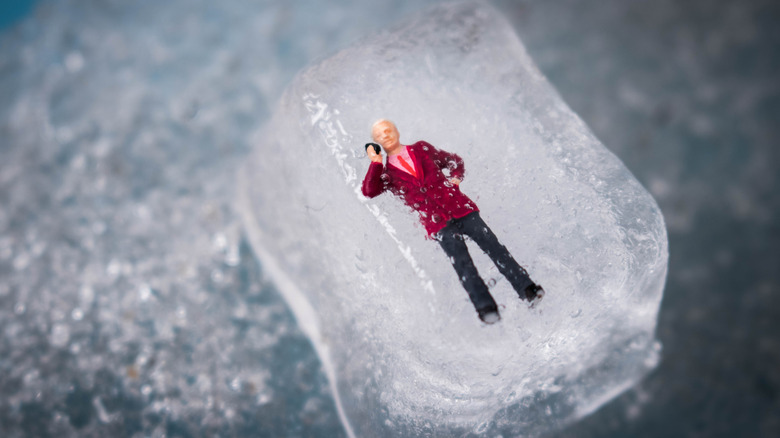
{"points": [[372, 183], [447, 160]]}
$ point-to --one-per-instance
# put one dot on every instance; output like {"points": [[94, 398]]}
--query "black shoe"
{"points": [[533, 294], [489, 315]]}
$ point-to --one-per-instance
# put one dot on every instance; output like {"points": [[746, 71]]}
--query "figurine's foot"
{"points": [[489, 315], [534, 294]]}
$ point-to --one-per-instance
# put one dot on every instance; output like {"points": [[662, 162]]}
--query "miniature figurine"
{"points": [[416, 174]]}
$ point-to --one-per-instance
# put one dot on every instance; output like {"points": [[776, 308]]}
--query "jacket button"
{"points": [[416, 205]]}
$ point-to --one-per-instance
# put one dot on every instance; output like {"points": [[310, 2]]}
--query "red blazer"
{"points": [[431, 195]]}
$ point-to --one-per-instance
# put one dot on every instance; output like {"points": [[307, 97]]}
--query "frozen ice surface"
{"points": [[397, 335]]}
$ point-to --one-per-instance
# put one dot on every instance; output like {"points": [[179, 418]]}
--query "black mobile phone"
{"points": [[376, 147]]}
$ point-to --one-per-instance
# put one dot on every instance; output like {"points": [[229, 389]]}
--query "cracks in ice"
{"points": [[326, 121]]}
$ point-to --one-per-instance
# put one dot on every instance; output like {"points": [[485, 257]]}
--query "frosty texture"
{"points": [[130, 303], [397, 335]]}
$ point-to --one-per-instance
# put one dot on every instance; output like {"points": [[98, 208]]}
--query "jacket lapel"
{"points": [[404, 174], [400, 173], [417, 164]]}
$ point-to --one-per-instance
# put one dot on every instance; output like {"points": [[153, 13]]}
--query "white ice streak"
{"points": [[324, 120]]}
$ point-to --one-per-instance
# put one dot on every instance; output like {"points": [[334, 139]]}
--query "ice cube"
{"points": [[400, 342]]}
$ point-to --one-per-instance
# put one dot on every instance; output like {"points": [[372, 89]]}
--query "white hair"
{"points": [[381, 121]]}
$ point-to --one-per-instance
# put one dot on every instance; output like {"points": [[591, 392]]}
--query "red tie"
{"points": [[407, 166]]}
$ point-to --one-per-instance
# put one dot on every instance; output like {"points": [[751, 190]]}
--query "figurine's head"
{"points": [[385, 133]]}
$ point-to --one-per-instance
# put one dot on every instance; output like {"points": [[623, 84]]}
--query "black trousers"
{"points": [[452, 241]]}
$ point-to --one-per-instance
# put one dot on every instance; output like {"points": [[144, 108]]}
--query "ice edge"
{"points": [[301, 308]]}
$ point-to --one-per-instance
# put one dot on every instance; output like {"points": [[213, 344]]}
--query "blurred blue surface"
{"points": [[181, 336], [12, 11]]}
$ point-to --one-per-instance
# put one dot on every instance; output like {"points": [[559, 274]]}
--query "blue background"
{"points": [[687, 95]]}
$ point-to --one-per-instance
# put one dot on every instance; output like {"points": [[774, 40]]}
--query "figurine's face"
{"points": [[386, 134]]}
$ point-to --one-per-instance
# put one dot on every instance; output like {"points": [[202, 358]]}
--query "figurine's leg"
{"points": [[477, 229], [453, 245]]}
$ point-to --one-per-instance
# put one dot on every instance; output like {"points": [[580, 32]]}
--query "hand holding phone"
{"points": [[374, 152]]}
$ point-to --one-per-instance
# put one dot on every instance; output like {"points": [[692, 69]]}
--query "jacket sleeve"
{"points": [[447, 160], [372, 183]]}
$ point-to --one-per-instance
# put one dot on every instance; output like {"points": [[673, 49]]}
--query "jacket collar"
{"points": [[417, 167]]}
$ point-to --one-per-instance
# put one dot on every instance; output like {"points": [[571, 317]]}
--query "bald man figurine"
{"points": [[416, 174]]}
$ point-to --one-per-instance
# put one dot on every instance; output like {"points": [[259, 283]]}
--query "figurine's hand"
{"points": [[376, 158], [455, 181]]}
